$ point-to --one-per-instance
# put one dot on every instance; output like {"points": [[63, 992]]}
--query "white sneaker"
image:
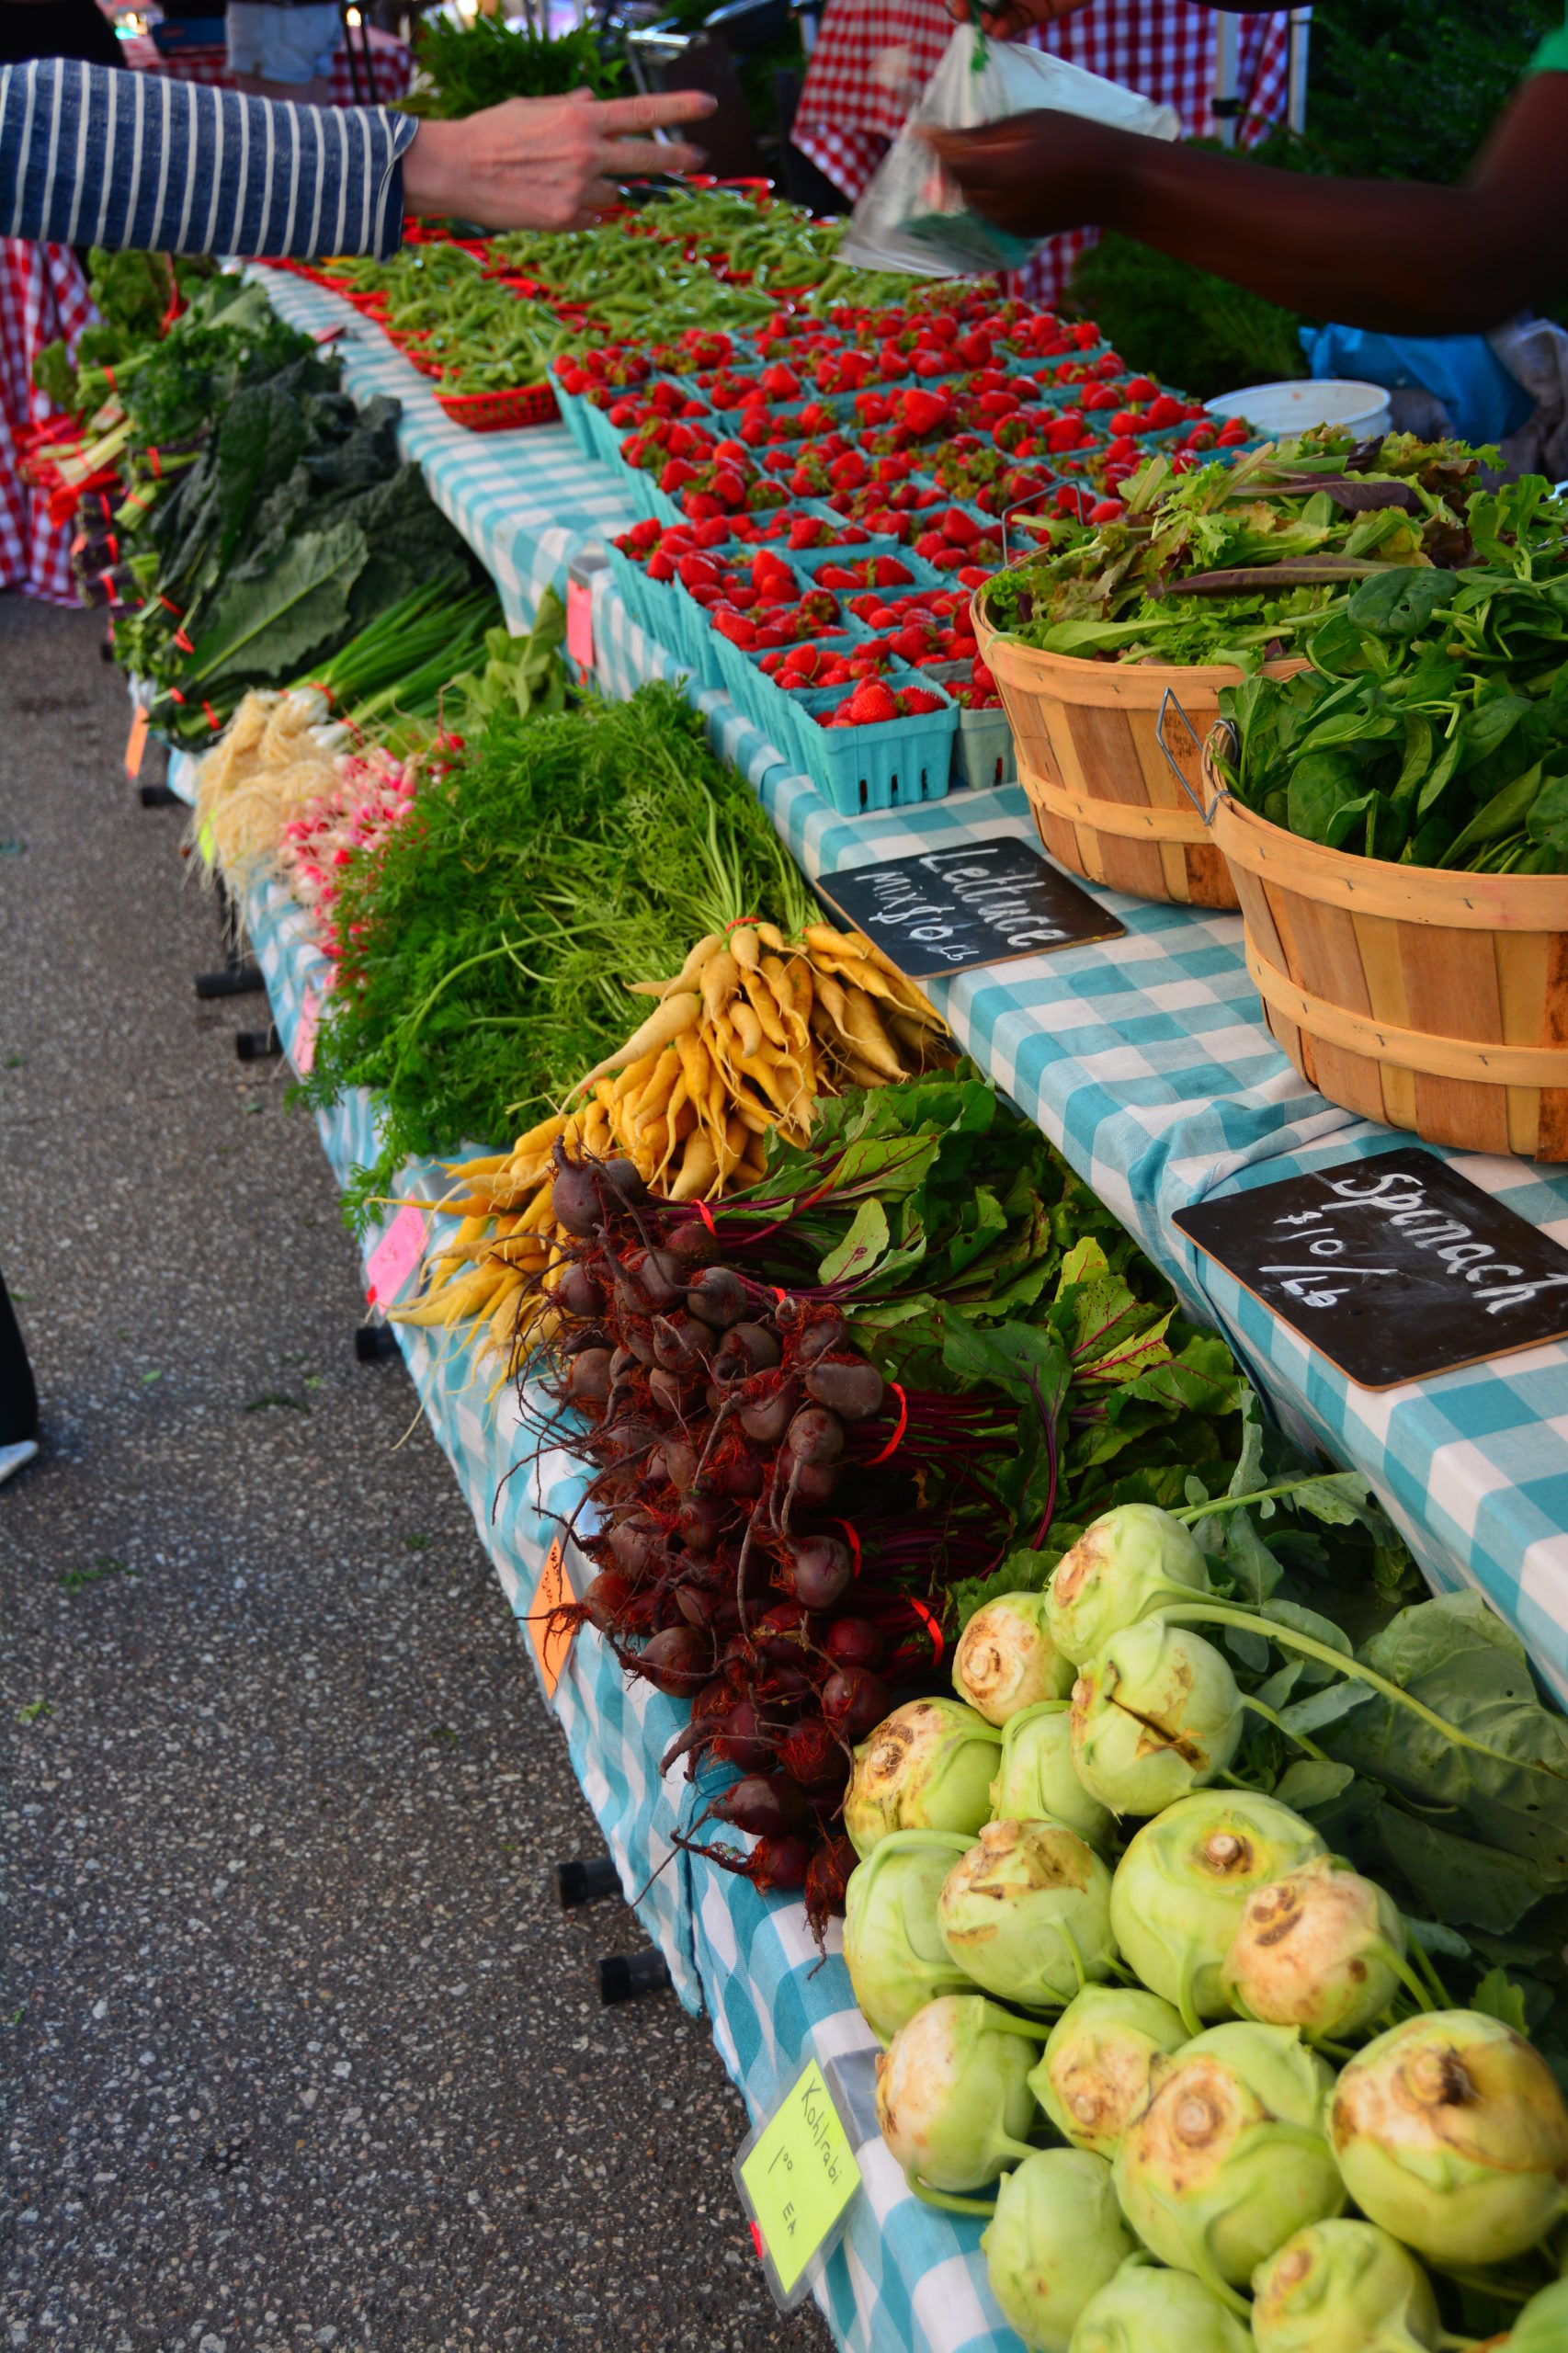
{"points": [[16, 1458]]}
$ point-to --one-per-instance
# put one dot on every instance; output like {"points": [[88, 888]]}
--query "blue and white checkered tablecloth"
{"points": [[522, 500], [1147, 1060], [904, 2275]]}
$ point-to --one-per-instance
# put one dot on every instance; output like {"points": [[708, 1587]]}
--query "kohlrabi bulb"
{"points": [[1147, 2310], [1057, 2236], [1342, 2287], [1542, 2326], [926, 1766], [953, 2096], [894, 1951], [1036, 1779], [1229, 2158], [1129, 1563], [1027, 1913], [1006, 1660], [1155, 1714], [1094, 2076], [1321, 1948], [1178, 1893], [1450, 2133]]}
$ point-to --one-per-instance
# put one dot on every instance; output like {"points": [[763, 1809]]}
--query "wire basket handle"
{"points": [[1169, 702]]}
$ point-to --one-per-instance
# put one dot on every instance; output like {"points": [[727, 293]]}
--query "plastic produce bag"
{"points": [[913, 217]]}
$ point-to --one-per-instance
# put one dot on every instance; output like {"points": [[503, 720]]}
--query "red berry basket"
{"points": [[501, 412]]}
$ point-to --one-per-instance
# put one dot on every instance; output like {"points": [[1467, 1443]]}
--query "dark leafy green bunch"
{"points": [[469, 68], [1433, 726], [497, 929], [283, 527], [1235, 563]]}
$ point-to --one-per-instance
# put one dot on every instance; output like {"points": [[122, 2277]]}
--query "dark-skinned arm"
{"points": [[1387, 254]]}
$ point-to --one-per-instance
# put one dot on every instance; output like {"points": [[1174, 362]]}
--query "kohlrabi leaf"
{"points": [[1457, 1658]]}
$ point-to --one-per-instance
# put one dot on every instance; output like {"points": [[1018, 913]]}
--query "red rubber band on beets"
{"points": [[931, 1627], [893, 1443], [854, 1544]]}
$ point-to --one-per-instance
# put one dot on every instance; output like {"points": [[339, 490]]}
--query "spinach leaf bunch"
{"points": [[1432, 727]]}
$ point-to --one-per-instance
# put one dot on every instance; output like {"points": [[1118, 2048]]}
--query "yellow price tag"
{"points": [[799, 2176]]}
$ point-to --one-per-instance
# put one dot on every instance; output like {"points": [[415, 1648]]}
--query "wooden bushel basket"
{"points": [[1437, 1002], [1108, 800]]}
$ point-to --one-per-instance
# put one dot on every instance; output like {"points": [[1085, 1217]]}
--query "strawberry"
{"points": [[729, 485], [1231, 433], [807, 531], [915, 701], [981, 678], [1141, 388], [780, 382], [659, 566], [924, 411], [640, 535], [1163, 412], [888, 573], [713, 533], [700, 504], [674, 473], [930, 544], [957, 529], [872, 705]]}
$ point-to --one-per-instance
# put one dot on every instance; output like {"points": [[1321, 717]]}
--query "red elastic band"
{"points": [[183, 641], [854, 1544], [175, 695], [893, 1445], [108, 378], [170, 607], [740, 924], [930, 1625], [213, 719], [706, 1214], [157, 469]]}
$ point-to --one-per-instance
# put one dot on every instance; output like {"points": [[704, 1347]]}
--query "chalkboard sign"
{"points": [[980, 903], [1396, 1268]]}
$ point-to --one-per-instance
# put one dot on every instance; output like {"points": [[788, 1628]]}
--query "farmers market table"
{"points": [[1146, 1059]]}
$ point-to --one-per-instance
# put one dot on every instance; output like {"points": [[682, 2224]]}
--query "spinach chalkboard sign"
{"points": [[1396, 1268], [980, 903]]}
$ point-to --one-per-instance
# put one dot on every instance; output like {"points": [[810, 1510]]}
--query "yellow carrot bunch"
{"points": [[744, 1038]]}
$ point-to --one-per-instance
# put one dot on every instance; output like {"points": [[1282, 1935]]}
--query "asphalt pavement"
{"points": [[297, 2049]]}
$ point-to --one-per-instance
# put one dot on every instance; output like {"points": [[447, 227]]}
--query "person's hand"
{"points": [[1008, 18], [1038, 173], [546, 162]]}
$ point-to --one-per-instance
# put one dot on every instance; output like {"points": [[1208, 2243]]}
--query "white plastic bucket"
{"points": [[1296, 405]]}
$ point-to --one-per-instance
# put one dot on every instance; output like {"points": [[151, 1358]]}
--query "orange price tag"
{"points": [[551, 1645], [136, 743]]}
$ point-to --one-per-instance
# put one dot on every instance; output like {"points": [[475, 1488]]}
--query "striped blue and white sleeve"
{"points": [[89, 157]]}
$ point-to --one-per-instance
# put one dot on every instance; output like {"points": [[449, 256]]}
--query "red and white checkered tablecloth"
{"points": [[43, 297], [393, 60], [873, 57]]}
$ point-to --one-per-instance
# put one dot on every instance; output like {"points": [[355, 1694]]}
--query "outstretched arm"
{"points": [[92, 156], [1387, 254]]}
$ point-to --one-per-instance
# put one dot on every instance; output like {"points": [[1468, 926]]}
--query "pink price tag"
{"points": [[305, 1034], [395, 1256], [580, 623]]}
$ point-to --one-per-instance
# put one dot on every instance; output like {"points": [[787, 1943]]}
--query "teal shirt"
{"points": [[1551, 57]]}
